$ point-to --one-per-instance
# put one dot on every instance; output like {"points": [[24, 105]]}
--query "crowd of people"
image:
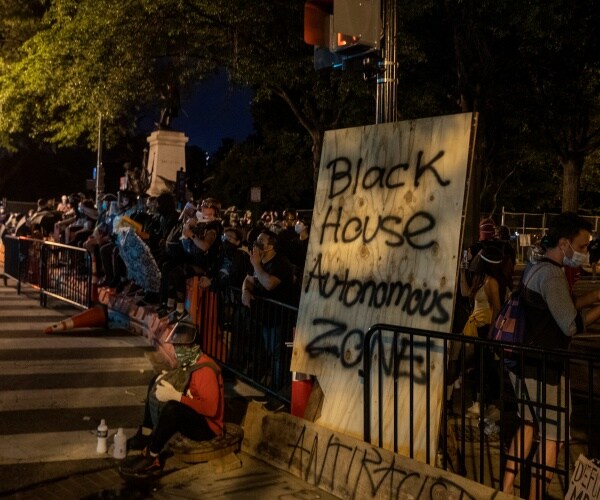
{"points": [[220, 247]]}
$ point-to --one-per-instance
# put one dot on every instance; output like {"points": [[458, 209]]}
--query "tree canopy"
{"points": [[531, 71]]}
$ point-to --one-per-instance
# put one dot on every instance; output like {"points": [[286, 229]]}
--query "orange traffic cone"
{"points": [[95, 316]]}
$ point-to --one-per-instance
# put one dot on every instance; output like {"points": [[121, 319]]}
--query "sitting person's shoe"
{"points": [[139, 440], [175, 316], [142, 466], [164, 310]]}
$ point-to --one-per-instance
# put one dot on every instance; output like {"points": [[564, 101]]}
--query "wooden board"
{"points": [[348, 467], [384, 248]]}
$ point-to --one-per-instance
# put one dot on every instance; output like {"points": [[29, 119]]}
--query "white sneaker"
{"points": [[474, 409], [491, 428]]}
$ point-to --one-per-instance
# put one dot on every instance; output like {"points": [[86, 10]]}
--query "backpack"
{"points": [[180, 378], [510, 322]]}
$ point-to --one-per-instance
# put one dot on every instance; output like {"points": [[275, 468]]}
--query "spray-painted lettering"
{"points": [[350, 291], [344, 176], [340, 229], [319, 459]]}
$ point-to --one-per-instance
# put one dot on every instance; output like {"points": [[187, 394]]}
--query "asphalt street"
{"points": [[54, 389]]}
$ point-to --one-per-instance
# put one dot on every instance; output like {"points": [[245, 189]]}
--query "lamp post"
{"points": [[99, 170]]}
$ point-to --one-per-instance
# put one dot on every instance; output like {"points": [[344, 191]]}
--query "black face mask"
{"points": [[229, 248]]}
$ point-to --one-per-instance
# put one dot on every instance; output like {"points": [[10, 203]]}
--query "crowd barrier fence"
{"points": [[474, 446], [56, 270], [255, 343]]}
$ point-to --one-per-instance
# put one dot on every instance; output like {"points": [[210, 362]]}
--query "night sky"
{"points": [[216, 110]]}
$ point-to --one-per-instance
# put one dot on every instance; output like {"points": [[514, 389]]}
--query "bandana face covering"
{"points": [[187, 354]]}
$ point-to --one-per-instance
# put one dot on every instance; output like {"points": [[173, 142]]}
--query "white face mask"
{"points": [[579, 259], [299, 227]]}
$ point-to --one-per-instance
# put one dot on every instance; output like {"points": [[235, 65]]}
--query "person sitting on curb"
{"points": [[196, 410]]}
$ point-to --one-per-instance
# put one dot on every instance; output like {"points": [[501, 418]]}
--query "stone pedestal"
{"points": [[165, 158]]}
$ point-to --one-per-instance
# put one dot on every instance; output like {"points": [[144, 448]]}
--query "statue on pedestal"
{"points": [[169, 106]]}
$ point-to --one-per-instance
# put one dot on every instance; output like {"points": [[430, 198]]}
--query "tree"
{"points": [[83, 62], [561, 58], [533, 78]]}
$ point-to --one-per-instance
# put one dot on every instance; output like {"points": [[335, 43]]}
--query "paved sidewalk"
{"points": [[86, 475], [254, 479]]}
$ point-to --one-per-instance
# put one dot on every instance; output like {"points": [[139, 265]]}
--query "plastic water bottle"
{"points": [[102, 434], [120, 444]]}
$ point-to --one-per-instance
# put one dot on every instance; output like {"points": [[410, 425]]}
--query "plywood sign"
{"points": [[384, 248]]}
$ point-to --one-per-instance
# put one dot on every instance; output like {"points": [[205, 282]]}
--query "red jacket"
{"points": [[206, 395]]}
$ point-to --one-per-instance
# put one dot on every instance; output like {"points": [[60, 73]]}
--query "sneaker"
{"points": [[175, 316], [491, 428], [474, 410], [142, 466], [164, 310], [139, 441]]}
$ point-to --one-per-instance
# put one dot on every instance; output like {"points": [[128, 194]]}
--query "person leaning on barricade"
{"points": [[189, 400], [199, 251], [552, 317], [271, 277]]}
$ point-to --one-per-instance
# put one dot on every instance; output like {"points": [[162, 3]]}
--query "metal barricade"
{"points": [[59, 271], [65, 274], [12, 257], [22, 260], [254, 343], [477, 446]]}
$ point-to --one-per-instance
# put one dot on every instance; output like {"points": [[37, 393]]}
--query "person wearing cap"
{"points": [[112, 264], [197, 412], [487, 233]]}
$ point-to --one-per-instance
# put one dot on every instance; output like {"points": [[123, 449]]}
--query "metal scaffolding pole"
{"points": [[387, 85]]}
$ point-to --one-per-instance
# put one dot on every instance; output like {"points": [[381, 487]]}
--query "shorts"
{"points": [[552, 423]]}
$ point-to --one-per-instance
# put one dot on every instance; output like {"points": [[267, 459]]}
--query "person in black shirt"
{"points": [[272, 278]]}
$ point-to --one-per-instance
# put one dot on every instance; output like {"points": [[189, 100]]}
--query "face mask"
{"points": [[578, 259], [299, 227], [229, 247], [186, 354]]}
